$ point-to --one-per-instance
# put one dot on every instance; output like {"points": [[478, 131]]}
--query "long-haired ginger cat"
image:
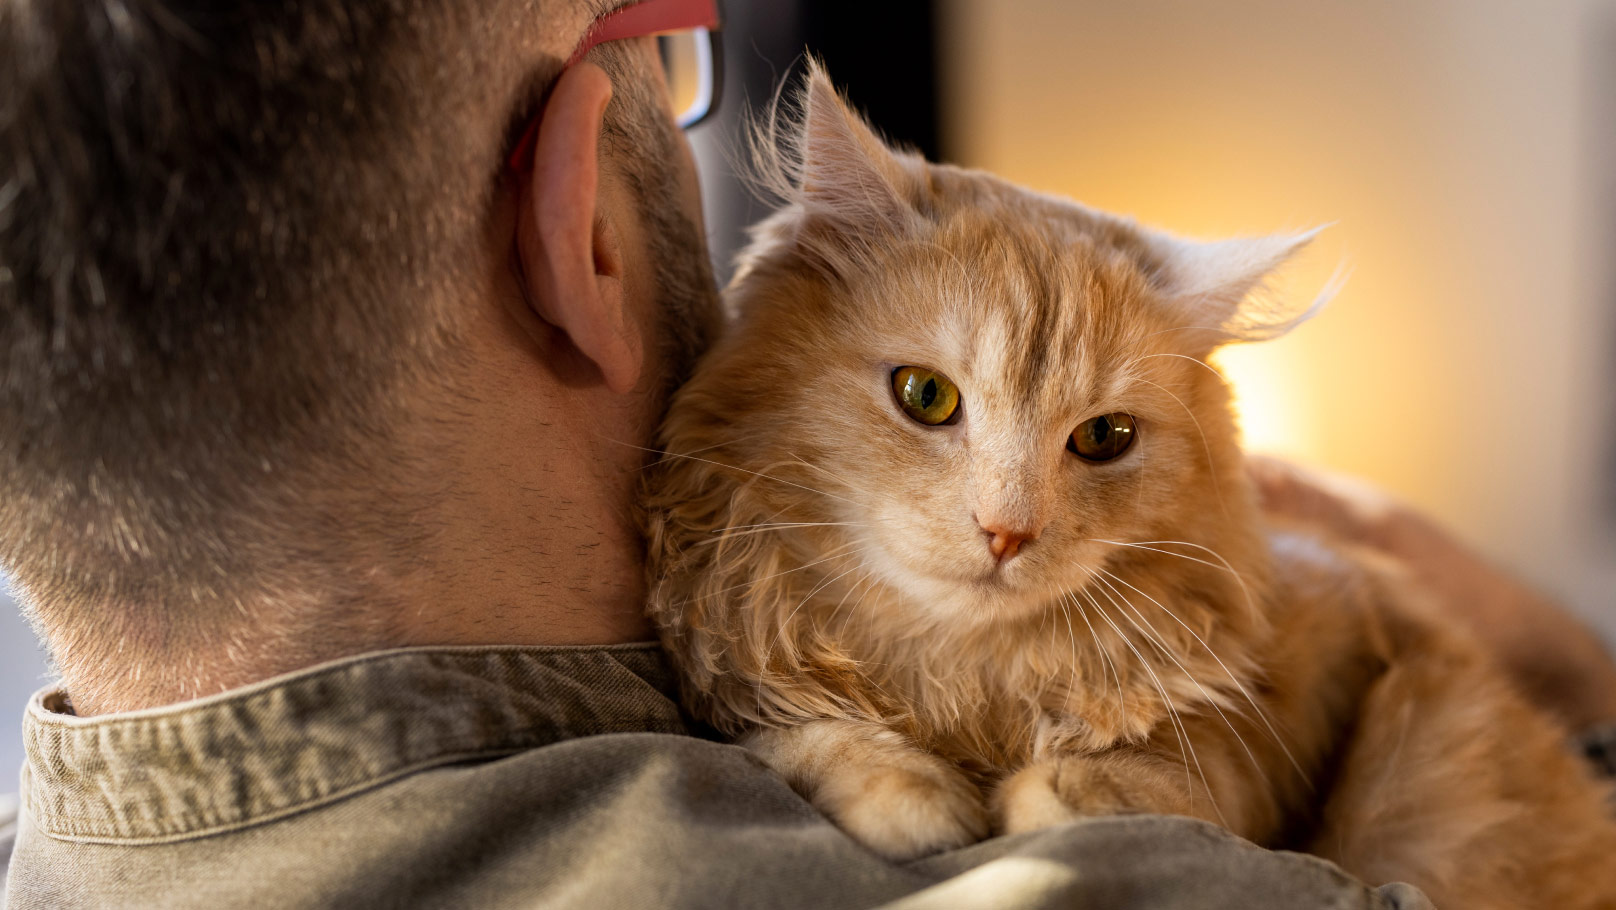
{"points": [[953, 530]]}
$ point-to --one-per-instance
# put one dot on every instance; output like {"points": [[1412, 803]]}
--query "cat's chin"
{"points": [[987, 598], [993, 598]]}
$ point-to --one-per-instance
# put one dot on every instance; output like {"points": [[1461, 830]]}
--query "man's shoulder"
{"points": [[654, 819]]}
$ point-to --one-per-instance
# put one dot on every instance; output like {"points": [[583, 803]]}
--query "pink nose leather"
{"points": [[1005, 542]]}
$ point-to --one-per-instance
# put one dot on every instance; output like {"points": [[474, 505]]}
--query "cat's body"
{"points": [[938, 631]]}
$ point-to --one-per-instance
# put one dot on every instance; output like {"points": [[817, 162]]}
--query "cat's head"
{"points": [[976, 395]]}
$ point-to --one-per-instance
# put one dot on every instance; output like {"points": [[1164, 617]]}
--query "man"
{"points": [[322, 427]]}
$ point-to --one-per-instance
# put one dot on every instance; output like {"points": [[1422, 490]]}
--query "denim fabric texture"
{"points": [[531, 777]]}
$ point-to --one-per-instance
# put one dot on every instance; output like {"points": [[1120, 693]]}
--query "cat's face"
{"points": [[983, 393], [1061, 429]]}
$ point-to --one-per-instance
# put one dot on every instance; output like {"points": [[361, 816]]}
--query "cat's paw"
{"points": [[1061, 789], [904, 806]]}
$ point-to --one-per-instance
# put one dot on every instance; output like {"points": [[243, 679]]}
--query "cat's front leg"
{"points": [[1061, 788], [893, 797]]}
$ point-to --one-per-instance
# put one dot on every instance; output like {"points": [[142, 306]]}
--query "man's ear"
{"points": [[570, 253]]}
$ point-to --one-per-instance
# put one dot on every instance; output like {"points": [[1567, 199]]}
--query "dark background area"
{"points": [[885, 55], [882, 54]]}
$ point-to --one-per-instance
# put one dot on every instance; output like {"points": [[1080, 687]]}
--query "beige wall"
{"points": [[1455, 143]]}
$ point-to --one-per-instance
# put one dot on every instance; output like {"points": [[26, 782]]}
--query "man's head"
{"points": [[277, 371]]}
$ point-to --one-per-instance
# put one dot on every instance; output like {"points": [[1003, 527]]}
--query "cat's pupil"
{"points": [[1102, 430], [928, 393]]}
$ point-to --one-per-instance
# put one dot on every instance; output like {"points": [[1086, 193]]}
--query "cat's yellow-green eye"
{"points": [[925, 395], [1103, 438]]}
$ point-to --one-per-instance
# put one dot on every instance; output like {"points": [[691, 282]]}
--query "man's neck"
{"points": [[536, 544], [532, 551]]}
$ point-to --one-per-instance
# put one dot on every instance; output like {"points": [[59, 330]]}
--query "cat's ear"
{"points": [[847, 175], [1218, 288]]}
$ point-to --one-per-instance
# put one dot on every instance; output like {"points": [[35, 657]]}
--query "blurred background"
{"points": [[1464, 150]]}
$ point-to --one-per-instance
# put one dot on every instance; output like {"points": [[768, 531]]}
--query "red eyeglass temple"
{"points": [[648, 17]]}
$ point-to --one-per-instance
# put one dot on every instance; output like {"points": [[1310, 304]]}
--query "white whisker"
{"points": [[1251, 603], [1105, 655], [794, 610], [1071, 634], [1180, 729], [787, 524], [1192, 328], [1211, 464], [747, 530], [716, 445], [837, 553], [720, 464], [1144, 465], [1161, 644], [1178, 722], [854, 587], [1261, 714], [1200, 363], [836, 477]]}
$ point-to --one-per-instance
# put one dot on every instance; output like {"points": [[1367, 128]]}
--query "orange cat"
{"points": [[954, 532]]}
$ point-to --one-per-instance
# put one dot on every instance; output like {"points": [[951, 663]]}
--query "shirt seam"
{"points": [[307, 805], [64, 724], [273, 815], [165, 815]]}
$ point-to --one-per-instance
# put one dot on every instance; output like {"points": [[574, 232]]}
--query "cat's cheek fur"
{"points": [[887, 794]]}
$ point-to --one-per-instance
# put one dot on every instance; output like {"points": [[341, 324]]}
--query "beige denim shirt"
{"points": [[529, 777]]}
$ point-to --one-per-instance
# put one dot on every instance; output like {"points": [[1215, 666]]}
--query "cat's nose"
{"points": [[1005, 541]]}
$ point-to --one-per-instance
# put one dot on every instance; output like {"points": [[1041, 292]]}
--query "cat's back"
{"points": [[1442, 757]]}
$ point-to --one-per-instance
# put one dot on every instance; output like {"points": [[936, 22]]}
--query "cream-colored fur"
{"points": [[821, 575]]}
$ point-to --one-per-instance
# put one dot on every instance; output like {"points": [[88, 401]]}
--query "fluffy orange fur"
{"points": [[821, 575]]}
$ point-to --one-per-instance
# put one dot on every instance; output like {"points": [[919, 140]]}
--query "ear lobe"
{"points": [[849, 174], [1218, 285], [568, 250]]}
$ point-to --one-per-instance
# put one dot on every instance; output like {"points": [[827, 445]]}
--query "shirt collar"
{"points": [[298, 741]]}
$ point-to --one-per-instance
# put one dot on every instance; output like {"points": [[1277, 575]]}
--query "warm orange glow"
{"points": [[1271, 407]]}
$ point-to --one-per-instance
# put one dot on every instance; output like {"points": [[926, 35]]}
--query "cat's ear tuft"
{"points": [[1220, 286], [848, 174]]}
